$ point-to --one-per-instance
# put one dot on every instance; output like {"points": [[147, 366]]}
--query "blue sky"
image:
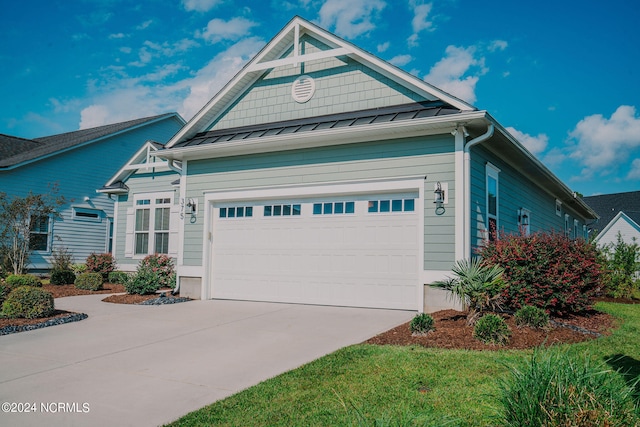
{"points": [[562, 76]]}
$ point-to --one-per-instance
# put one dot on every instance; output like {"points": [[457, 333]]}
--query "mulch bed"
{"points": [[451, 331], [61, 291]]}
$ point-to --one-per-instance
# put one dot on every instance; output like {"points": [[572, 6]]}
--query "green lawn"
{"points": [[388, 385]]}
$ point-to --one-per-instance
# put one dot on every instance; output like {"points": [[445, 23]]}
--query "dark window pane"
{"points": [[349, 207], [162, 243], [223, 212], [240, 212], [277, 210], [373, 206], [317, 208], [328, 208], [232, 212], [248, 211], [38, 242], [338, 207], [384, 206], [286, 210], [267, 211], [409, 205], [296, 210], [396, 206]]}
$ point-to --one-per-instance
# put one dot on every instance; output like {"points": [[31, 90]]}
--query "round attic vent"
{"points": [[303, 89]]}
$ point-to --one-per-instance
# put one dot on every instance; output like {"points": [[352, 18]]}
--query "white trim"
{"points": [[459, 185], [314, 190], [491, 171]]}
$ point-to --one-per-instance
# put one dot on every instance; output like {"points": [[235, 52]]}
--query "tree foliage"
{"points": [[18, 216]]}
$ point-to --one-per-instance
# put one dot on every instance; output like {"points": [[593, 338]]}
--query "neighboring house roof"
{"points": [[15, 151], [621, 225], [607, 206]]}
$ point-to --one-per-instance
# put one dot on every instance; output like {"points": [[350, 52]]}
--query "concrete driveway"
{"points": [[149, 365]]}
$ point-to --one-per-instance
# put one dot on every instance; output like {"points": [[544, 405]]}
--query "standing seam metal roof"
{"points": [[334, 121]]}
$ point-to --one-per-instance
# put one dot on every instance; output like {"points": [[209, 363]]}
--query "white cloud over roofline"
{"points": [[350, 18], [535, 144]]}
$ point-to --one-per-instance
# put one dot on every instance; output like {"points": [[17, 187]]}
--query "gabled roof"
{"points": [[609, 205], [620, 216], [144, 158], [15, 152], [273, 55]]}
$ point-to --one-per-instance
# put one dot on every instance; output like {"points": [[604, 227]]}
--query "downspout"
{"points": [[467, 186], [172, 165]]}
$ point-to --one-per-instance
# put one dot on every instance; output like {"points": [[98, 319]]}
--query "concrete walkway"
{"points": [[130, 365]]}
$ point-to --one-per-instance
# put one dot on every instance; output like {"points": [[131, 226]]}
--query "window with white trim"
{"points": [[576, 229], [558, 207], [152, 215], [333, 208], [236, 212], [282, 210], [567, 230], [395, 205], [39, 233], [493, 201]]}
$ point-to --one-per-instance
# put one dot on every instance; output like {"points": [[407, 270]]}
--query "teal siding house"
{"points": [[77, 163], [321, 174]]}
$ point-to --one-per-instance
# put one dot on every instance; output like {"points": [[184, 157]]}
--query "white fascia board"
{"points": [[328, 137]]}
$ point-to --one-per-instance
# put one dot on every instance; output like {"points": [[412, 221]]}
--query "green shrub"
{"points": [[491, 329], [478, 286], [15, 280], [101, 263], [61, 259], [118, 277], [532, 317], [62, 277], [79, 268], [550, 271], [5, 290], [29, 302], [89, 281], [555, 389], [162, 266], [621, 261], [143, 282], [421, 324]]}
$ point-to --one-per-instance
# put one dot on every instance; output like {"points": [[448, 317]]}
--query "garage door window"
{"points": [[282, 210], [395, 205], [236, 212], [333, 208]]}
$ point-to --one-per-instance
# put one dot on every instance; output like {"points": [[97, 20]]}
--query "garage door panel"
{"points": [[359, 259]]}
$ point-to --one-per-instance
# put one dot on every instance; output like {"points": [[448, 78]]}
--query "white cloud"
{"points": [[448, 74], [419, 22], [199, 5], [603, 144], [382, 47], [129, 98], [497, 45], [151, 50], [94, 115], [634, 172], [535, 144], [234, 29], [144, 25], [401, 60], [117, 36], [351, 18]]}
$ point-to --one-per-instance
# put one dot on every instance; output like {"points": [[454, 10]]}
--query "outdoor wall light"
{"points": [[438, 194], [523, 218]]}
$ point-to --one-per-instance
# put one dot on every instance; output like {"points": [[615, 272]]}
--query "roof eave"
{"points": [[323, 138]]}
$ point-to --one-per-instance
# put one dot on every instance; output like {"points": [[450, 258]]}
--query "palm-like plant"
{"points": [[477, 286]]}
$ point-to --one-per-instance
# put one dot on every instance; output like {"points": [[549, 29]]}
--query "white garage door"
{"points": [[349, 251]]}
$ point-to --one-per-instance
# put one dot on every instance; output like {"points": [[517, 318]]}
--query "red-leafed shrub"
{"points": [[101, 263], [545, 270]]}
